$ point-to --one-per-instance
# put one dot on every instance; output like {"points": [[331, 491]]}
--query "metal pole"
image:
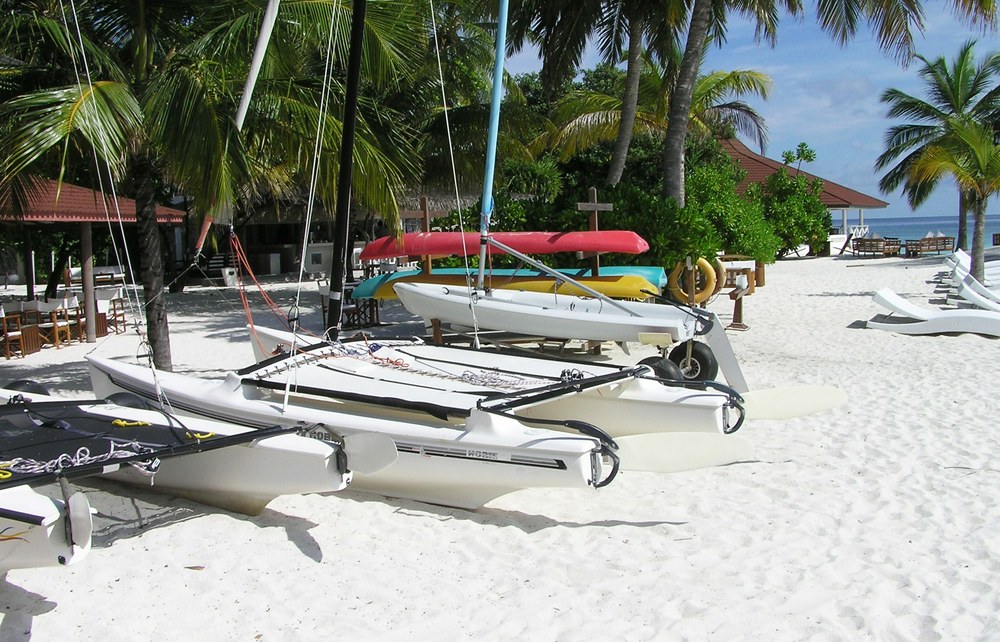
{"points": [[343, 207]]}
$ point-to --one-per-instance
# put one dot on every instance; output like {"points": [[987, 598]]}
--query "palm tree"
{"points": [[563, 29], [893, 22], [166, 76], [963, 89], [968, 151], [584, 118]]}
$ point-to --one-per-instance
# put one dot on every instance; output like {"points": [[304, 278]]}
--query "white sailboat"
{"points": [[593, 316], [44, 437]]}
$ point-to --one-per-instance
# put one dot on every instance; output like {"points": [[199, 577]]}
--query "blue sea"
{"points": [[915, 227]]}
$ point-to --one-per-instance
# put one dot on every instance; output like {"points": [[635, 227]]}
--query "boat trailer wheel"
{"points": [[700, 366]]}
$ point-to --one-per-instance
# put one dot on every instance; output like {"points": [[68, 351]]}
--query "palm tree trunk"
{"points": [[630, 102], [151, 263], [979, 239], [963, 221], [679, 112]]}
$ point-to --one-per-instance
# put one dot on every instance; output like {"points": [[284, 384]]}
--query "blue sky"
{"points": [[828, 97]]}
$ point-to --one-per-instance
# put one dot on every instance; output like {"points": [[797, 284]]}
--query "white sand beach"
{"points": [[879, 520]]}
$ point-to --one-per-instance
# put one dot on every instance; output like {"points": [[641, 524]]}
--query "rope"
{"points": [[82, 457], [454, 173]]}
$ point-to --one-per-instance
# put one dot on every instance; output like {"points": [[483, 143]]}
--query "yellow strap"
{"points": [[199, 435], [121, 423]]}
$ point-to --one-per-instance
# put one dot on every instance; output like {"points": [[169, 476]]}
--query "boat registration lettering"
{"points": [[322, 433]]}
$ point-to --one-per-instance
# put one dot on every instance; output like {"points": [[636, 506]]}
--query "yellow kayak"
{"points": [[614, 286]]}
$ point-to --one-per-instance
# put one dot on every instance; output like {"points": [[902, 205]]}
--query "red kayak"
{"points": [[450, 243]]}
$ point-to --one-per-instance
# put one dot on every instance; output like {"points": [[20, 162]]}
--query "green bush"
{"points": [[792, 207]]}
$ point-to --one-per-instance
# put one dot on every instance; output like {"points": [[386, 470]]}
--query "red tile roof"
{"points": [[760, 167], [77, 204]]}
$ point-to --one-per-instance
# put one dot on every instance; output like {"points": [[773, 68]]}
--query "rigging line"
{"points": [[325, 91], [324, 100], [454, 170], [133, 306], [139, 327]]}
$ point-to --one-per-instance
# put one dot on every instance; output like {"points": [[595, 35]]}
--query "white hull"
{"points": [[462, 461], [242, 478], [572, 317], [554, 316], [458, 378], [33, 529]]}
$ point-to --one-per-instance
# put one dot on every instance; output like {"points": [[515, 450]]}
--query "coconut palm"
{"points": [[893, 22], [968, 151], [584, 118], [962, 89], [165, 78], [562, 29]]}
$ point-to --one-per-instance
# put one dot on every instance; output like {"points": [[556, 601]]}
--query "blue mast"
{"points": [[491, 140]]}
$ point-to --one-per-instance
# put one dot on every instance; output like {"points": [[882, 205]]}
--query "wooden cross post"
{"points": [[594, 207], [425, 261]]}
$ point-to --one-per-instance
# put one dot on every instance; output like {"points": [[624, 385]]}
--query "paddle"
{"points": [[792, 401], [674, 452], [369, 452]]}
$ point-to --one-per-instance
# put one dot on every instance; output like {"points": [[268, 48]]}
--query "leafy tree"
{"points": [[562, 29], [892, 21], [962, 89], [166, 76], [585, 117], [792, 206], [968, 152]]}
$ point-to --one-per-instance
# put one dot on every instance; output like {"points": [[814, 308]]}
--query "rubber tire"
{"points": [[703, 365], [663, 368], [128, 400], [27, 385]]}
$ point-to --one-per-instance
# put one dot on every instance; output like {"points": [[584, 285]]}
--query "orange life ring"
{"points": [[701, 295], [720, 275]]}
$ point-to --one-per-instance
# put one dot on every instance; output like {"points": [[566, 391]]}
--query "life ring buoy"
{"points": [[709, 279], [720, 275]]}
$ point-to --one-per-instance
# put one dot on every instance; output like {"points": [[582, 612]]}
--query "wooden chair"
{"points": [[11, 326], [110, 303], [52, 320]]}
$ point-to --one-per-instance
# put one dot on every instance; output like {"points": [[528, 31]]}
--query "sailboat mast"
{"points": [[343, 207], [263, 39], [491, 140]]}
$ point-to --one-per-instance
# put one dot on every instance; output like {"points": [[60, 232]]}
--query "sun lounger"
{"points": [[909, 318], [978, 295]]}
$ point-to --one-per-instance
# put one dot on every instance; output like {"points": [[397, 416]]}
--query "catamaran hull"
{"points": [[463, 463], [533, 313], [451, 376], [34, 533], [242, 478], [570, 317]]}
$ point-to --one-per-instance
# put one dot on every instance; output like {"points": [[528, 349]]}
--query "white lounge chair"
{"points": [[908, 318], [979, 295]]}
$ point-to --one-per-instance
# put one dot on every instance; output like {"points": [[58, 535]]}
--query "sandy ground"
{"points": [[875, 521]]}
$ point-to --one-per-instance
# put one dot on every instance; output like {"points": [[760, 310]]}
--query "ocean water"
{"points": [[916, 227]]}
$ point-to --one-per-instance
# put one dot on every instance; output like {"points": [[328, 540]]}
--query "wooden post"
{"points": [[87, 274], [737, 296], [425, 261], [594, 207]]}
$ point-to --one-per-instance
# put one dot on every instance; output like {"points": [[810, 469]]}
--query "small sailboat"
{"points": [[461, 457], [43, 438], [585, 313]]}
